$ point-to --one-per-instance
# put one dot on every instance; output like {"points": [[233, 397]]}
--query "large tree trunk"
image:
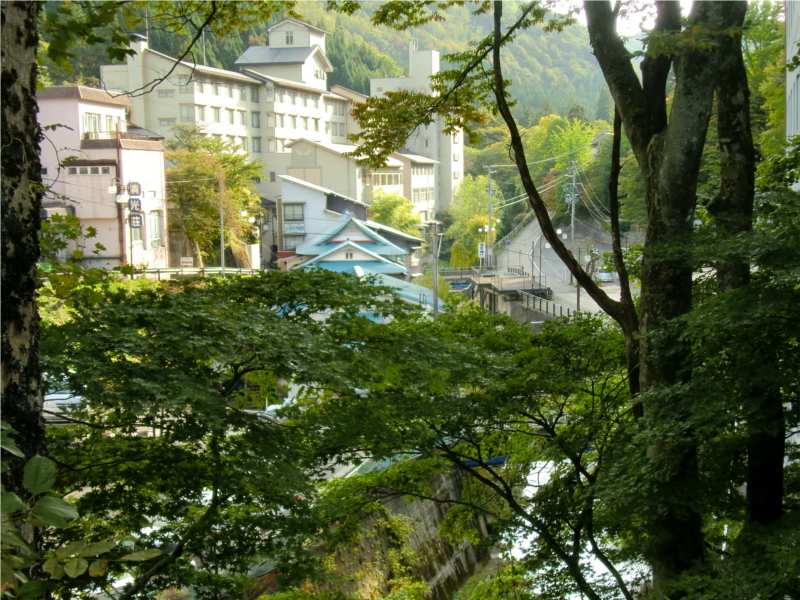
{"points": [[20, 199]]}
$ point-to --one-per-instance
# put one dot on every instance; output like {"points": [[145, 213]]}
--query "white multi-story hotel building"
{"points": [[279, 99]]}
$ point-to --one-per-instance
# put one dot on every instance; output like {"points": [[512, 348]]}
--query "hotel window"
{"points": [[201, 113], [292, 212], [199, 86], [294, 122], [304, 97], [305, 123], [270, 145], [91, 122], [257, 145], [280, 121], [253, 93], [243, 143], [281, 145], [456, 157], [215, 88], [242, 117], [109, 123], [316, 124], [83, 170], [270, 120], [290, 242], [230, 90], [256, 119], [231, 120], [279, 95], [232, 141], [184, 84], [341, 108], [293, 97], [94, 170], [166, 93], [242, 92], [216, 112], [316, 102], [154, 229], [456, 175], [72, 170], [187, 113], [272, 177], [270, 95], [289, 38]]}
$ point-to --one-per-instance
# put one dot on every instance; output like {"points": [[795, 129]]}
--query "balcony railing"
{"points": [[112, 135]]}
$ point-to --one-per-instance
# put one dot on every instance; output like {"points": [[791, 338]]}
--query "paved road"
{"points": [[553, 271]]}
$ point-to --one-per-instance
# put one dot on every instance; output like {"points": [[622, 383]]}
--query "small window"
{"points": [[166, 93], [187, 113], [279, 95], [103, 171], [232, 141], [83, 170], [290, 242], [304, 98], [242, 92], [379, 90], [184, 84], [215, 88], [270, 95], [293, 97], [305, 123], [272, 176], [280, 121], [201, 113], [256, 119], [316, 124], [166, 122], [136, 232], [289, 38], [253, 93], [72, 171], [243, 143], [456, 157], [94, 170], [293, 212], [257, 145], [230, 90], [231, 118], [242, 117], [199, 86], [456, 175], [154, 229], [215, 111], [44, 170], [294, 122]]}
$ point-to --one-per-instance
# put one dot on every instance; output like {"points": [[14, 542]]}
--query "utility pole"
{"points": [[573, 201], [578, 303], [221, 182], [435, 268], [489, 262]]}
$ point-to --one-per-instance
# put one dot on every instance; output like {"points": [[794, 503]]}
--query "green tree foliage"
{"points": [[394, 211], [196, 164], [164, 450], [355, 62], [469, 212]]}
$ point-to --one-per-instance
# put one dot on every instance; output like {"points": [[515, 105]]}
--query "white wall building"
{"points": [[87, 156], [279, 97], [429, 141]]}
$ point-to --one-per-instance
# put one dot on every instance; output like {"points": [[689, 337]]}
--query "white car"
{"points": [[605, 277]]}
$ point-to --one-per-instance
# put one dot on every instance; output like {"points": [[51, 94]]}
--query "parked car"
{"points": [[605, 277], [60, 402]]}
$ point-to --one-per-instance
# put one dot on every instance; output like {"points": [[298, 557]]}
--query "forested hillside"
{"points": [[548, 69]]}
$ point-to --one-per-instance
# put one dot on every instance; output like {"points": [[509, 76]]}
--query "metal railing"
{"points": [[194, 272], [112, 135], [545, 306], [500, 244]]}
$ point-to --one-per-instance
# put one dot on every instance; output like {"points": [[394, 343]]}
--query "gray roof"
{"points": [[82, 93], [264, 55], [301, 23]]}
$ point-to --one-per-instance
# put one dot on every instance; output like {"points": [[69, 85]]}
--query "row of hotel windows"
{"points": [[92, 123], [190, 113], [155, 232], [187, 85], [422, 195], [422, 169], [380, 179]]}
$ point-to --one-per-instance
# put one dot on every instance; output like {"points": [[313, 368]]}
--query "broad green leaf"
{"points": [[34, 589], [55, 568], [39, 475], [8, 444], [72, 549], [98, 548], [7, 578], [98, 568], [143, 554], [11, 537], [76, 567], [54, 511], [10, 503]]}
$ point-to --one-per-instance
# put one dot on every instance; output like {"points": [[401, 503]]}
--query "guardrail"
{"points": [[194, 272], [545, 306]]}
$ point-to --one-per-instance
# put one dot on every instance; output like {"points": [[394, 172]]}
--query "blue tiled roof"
{"points": [[348, 266]]}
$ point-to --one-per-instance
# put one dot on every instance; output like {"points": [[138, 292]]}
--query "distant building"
{"points": [[792, 77], [90, 158], [279, 99], [429, 141]]}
